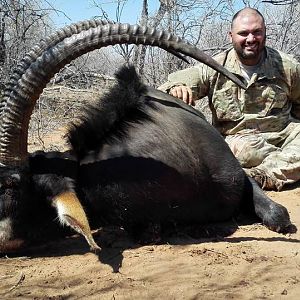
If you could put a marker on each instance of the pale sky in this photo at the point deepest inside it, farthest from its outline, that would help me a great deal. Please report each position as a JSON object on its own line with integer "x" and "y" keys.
{"x": 78, "y": 10}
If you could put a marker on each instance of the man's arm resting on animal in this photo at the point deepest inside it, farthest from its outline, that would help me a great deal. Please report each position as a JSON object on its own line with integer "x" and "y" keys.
{"x": 189, "y": 84}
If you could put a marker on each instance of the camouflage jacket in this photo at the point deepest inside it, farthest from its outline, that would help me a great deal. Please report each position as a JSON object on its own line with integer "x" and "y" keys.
{"x": 270, "y": 102}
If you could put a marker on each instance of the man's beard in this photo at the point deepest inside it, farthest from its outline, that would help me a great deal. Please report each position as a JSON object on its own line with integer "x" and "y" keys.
{"x": 245, "y": 54}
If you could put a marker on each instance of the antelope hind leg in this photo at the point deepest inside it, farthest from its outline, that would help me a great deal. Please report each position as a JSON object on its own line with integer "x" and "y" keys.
{"x": 273, "y": 215}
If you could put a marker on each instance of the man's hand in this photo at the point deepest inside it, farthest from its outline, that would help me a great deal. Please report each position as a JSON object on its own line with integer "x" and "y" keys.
{"x": 184, "y": 93}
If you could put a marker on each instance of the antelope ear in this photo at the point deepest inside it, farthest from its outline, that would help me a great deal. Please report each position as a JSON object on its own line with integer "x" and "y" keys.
{"x": 71, "y": 212}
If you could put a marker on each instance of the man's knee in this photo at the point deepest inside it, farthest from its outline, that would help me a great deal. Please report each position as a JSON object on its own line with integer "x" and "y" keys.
{"x": 250, "y": 150}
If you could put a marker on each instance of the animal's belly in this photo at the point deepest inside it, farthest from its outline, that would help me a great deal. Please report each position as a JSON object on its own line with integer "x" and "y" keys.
{"x": 139, "y": 190}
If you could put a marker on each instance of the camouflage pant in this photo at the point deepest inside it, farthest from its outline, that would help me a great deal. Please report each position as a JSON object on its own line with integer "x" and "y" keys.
{"x": 272, "y": 159}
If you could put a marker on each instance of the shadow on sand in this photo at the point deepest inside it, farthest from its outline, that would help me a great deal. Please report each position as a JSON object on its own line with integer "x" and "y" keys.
{"x": 114, "y": 241}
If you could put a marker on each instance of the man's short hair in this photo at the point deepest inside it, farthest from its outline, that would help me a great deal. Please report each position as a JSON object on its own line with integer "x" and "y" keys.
{"x": 247, "y": 8}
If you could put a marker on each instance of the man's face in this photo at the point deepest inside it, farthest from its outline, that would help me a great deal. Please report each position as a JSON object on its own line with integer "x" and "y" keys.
{"x": 248, "y": 37}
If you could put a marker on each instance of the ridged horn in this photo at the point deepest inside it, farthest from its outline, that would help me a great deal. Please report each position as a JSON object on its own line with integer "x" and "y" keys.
{"x": 44, "y": 60}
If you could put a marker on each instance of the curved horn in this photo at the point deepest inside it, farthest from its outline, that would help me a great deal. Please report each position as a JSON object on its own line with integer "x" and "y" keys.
{"x": 38, "y": 67}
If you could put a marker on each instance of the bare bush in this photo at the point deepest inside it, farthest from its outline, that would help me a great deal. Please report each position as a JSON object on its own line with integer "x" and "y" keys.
{"x": 22, "y": 24}
{"x": 59, "y": 105}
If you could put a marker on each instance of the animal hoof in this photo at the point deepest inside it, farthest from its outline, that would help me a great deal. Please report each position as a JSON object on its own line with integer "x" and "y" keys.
{"x": 291, "y": 228}
{"x": 288, "y": 229}
{"x": 277, "y": 219}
